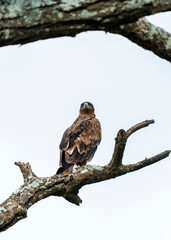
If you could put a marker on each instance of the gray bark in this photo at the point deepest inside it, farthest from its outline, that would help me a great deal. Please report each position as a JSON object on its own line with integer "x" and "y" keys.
{"x": 147, "y": 36}
{"x": 27, "y": 21}
{"x": 36, "y": 188}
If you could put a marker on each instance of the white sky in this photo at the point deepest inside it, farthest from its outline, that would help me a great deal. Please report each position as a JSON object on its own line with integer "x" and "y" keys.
{"x": 41, "y": 88}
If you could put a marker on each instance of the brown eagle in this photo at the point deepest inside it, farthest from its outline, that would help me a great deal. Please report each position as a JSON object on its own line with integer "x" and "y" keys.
{"x": 80, "y": 140}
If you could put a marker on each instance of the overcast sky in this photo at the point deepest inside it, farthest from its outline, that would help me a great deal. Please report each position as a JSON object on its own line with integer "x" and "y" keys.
{"x": 41, "y": 88}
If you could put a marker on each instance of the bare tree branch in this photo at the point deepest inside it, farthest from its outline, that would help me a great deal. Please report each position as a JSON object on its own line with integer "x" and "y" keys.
{"x": 138, "y": 126}
{"x": 26, "y": 171}
{"x": 147, "y": 36}
{"x": 28, "y": 21}
{"x": 120, "y": 142}
{"x": 146, "y": 162}
{"x": 34, "y": 188}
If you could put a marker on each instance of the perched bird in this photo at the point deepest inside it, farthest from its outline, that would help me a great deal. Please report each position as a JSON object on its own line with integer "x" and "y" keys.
{"x": 80, "y": 140}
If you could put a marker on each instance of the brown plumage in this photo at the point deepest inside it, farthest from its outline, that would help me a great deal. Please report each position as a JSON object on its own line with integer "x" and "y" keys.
{"x": 80, "y": 140}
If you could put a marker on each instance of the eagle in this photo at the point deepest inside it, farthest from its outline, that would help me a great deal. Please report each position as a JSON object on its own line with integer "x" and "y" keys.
{"x": 80, "y": 140}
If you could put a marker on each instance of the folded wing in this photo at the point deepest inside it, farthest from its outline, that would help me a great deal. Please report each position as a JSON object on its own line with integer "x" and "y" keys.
{"x": 79, "y": 142}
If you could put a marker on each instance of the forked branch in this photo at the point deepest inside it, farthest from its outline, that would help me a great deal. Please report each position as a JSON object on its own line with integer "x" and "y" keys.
{"x": 120, "y": 142}
{"x": 34, "y": 188}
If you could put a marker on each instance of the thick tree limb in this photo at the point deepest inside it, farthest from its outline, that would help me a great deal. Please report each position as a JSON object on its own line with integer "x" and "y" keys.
{"x": 147, "y": 36}
{"x": 34, "y": 188}
{"x": 28, "y": 21}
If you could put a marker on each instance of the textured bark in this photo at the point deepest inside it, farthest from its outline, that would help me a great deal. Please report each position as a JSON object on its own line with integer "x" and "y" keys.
{"x": 28, "y": 21}
{"x": 34, "y": 188}
{"x": 147, "y": 36}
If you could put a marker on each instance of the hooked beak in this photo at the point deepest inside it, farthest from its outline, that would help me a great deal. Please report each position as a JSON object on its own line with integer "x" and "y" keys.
{"x": 85, "y": 105}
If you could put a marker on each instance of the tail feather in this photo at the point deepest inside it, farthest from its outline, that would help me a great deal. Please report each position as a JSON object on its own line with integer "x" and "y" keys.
{"x": 65, "y": 168}
{"x": 64, "y": 171}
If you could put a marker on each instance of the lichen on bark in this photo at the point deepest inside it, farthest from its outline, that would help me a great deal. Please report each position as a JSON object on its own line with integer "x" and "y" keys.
{"x": 27, "y": 21}
{"x": 37, "y": 188}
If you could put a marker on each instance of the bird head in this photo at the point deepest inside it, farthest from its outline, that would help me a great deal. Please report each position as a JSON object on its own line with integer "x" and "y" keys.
{"x": 87, "y": 108}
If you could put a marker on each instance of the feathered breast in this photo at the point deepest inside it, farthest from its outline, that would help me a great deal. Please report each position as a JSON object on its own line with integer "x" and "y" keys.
{"x": 80, "y": 141}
